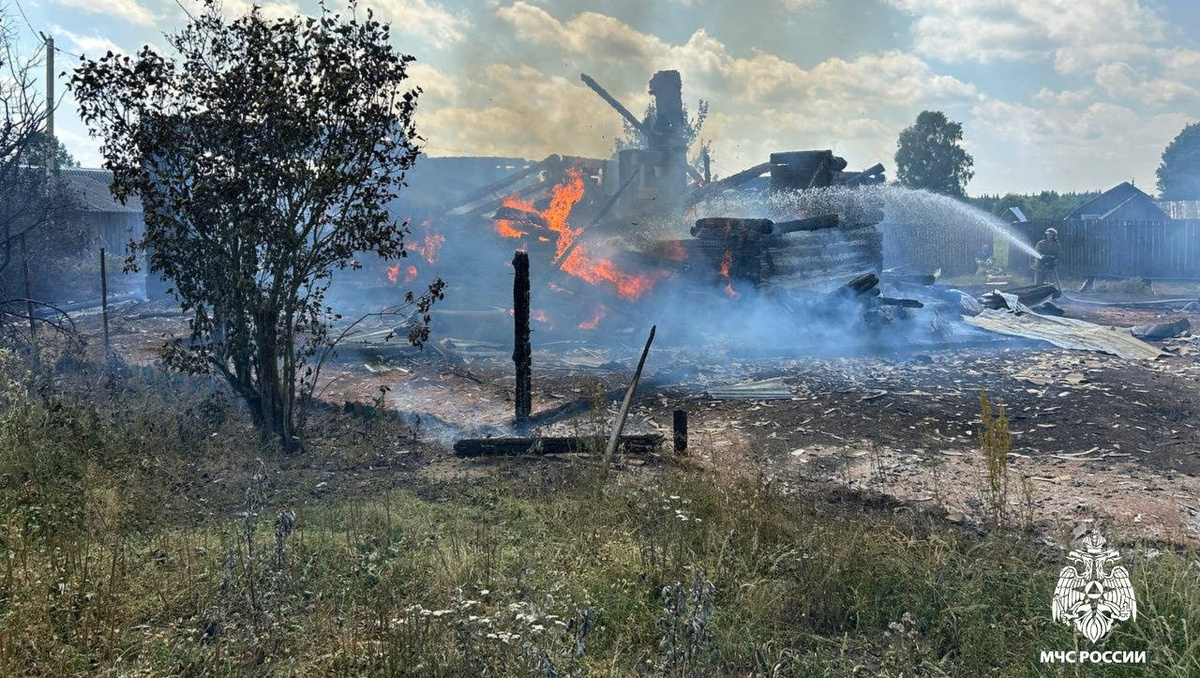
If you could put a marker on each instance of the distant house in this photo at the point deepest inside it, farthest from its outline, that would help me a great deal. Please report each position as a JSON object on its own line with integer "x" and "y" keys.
{"x": 1123, "y": 202}
{"x": 112, "y": 224}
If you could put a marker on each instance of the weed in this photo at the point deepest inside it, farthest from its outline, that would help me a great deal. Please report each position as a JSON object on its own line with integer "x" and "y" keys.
{"x": 995, "y": 442}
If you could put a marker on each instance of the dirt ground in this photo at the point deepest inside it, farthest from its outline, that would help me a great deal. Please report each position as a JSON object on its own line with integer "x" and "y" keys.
{"x": 1095, "y": 437}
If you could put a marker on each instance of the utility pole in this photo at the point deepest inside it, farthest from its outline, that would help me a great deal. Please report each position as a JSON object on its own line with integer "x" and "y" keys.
{"x": 51, "y": 146}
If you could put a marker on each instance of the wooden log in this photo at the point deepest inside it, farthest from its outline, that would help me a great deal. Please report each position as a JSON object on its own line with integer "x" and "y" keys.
{"x": 728, "y": 227}
{"x": 860, "y": 284}
{"x": 619, "y": 424}
{"x": 486, "y": 447}
{"x": 864, "y": 177}
{"x": 506, "y": 213}
{"x": 522, "y": 349}
{"x": 903, "y": 303}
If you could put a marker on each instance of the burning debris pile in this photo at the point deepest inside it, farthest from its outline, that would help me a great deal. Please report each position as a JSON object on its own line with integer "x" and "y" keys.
{"x": 791, "y": 246}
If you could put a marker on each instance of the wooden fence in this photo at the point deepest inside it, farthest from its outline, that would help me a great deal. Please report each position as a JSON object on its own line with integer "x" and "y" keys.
{"x": 1162, "y": 250}
{"x": 925, "y": 246}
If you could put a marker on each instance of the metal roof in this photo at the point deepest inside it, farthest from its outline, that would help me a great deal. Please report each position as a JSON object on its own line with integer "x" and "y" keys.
{"x": 90, "y": 190}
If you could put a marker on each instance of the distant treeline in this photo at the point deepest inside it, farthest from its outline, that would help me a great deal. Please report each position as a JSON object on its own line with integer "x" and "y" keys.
{"x": 1044, "y": 205}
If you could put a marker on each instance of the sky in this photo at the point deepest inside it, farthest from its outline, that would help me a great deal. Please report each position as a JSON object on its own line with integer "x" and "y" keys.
{"x": 1064, "y": 95}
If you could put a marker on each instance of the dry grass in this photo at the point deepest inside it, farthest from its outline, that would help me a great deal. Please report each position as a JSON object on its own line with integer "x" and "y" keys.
{"x": 147, "y": 534}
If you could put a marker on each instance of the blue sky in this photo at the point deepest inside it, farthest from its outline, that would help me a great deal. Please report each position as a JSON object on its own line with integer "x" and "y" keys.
{"x": 1053, "y": 94}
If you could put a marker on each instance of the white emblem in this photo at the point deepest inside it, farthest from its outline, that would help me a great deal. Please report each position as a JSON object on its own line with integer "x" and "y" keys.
{"x": 1099, "y": 595}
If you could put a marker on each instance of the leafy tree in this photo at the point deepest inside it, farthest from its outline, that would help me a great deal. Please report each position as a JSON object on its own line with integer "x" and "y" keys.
{"x": 1179, "y": 173}
{"x": 264, "y": 154}
{"x": 928, "y": 155}
{"x": 62, "y": 157}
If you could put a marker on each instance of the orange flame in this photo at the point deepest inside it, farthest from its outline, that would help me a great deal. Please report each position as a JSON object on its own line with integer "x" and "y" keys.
{"x": 505, "y": 227}
{"x": 598, "y": 314}
{"x": 597, "y": 271}
{"x": 429, "y": 246}
{"x": 726, "y": 263}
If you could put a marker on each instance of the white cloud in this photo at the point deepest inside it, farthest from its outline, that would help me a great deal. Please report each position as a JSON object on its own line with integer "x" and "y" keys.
{"x": 423, "y": 18}
{"x": 1120, "y": 80}
{"x": 270, "y": 10}
{"x": 1075, "y": 34}
{"x": 760, "y": 102}
{"x": 1071, "y": 147}
{"x": 127, "y": 10}
{"x": 92, "y": 46}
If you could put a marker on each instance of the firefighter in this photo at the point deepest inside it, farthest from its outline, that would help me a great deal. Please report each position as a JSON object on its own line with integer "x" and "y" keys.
{"x": 1049, "y": 248}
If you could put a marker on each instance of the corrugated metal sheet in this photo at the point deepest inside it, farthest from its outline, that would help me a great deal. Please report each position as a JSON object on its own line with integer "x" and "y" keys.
{"x": 1065, "y": 333}
{"x": 89, "y": 187}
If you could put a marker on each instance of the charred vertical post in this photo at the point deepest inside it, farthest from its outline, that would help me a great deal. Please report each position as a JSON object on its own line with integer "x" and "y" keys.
{"x": 104, "y": 300}
{"x": 681, "y": 433}
{"x": 28, "y": 288}
{"x": 522, "y": 350}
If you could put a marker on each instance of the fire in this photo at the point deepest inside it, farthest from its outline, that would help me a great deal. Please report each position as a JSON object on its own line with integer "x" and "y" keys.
{"x": 598, "y": 314}
{"x": 673, "y": 250}
{"x": 562, "y": 199}
{"x": 429, "y": 245}
{"x": 726, "y": 263}
{"x": 600, "y": 271}
{"x": 577, "y": 262}
{"x": 505, "y": 227}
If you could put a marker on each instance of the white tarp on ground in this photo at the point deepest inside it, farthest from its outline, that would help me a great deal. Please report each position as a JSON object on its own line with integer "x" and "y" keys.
{"x": 1065, "y": 332}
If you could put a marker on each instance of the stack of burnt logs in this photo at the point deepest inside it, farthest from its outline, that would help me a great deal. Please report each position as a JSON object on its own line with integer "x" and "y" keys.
{"x": 809, "y": 252}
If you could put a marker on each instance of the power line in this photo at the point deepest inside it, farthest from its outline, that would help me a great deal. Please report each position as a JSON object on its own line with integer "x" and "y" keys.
{"x": 27, "y": 24}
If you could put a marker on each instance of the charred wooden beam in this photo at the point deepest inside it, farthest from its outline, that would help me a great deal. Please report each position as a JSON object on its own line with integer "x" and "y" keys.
{"x": 870, "y": 175}
{"x": 522, "y": 349}
{"x": 614, "y": 438}
{"x": 486, "y": 447}
{"x": 617, "y": 105}
{"x": 506, "y": 213}
{"x": 719, "y": 228}
{"x": 484, "y": 191}
{"x": 903, "y": 303}
{"x": 860, "y": 284}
